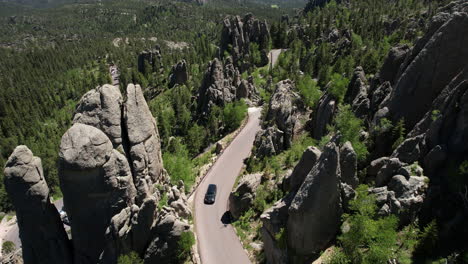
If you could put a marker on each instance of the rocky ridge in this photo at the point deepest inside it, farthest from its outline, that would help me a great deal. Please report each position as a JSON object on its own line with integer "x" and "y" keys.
{"x": 113, "y": 179}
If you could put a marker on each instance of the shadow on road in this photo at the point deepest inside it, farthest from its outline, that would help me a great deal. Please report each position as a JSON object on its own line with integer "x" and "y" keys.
{"x": 227, "y": 219}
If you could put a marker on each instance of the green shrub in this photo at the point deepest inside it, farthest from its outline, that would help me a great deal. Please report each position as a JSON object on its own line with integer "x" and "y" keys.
{"x": 350, "y": 128}
{"x": 178, "y": 164}
{"x": 369, "y": 239}
{"x": 339, "y": 86}
{"x": 233, "y": 114}
{"x": 282, "y": 238}
{"x": 184, "y": 246}
{"x": 309, "y": 91}
{"x": 163, "y": 201}
{"x": 8, "y": 247}
{"x": 131, "y": 258}
{"x": 399, "y": 133}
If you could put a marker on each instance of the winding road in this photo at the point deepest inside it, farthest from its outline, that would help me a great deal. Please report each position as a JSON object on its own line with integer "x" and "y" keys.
{"x": 218, "y": 242}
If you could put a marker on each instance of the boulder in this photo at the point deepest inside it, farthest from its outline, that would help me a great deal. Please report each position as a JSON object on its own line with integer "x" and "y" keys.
{"x": 179, "y": 74}
{"x": 101, "y": 108}
{"x": 315, "y": 212}
{"x": 294, "y": 181}
{"x": 241, "y": 199}
{"x": 43, "y": 238}
{"x": 388, "y": 169}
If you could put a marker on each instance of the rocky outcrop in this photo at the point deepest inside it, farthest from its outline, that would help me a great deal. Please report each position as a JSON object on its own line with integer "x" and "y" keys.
{"x": 357, "y": 93}
{"x": 143, "y": 143}
{"x": 274, "y": 221}
{"x": 437, "y": 58}
{"x": 101, "y": 108}
{"x": 323, "y": 115}
{"x": 151, "y": 57}
{"x": 281, "y": 120}
{"x": 241, "y": 199}
{"x": 169, "y": 229}
{"x": 109, "y": 189}
{"x": 269, "y": 142}
{"x": 96, "y": 182}
{"x": 318, "y": 191}
{"x": 238, "y": 34}
{"x": 43, "y": 237}
{"x": 403, "y": 197}
{"x": 222, "y": 84}
{"x": 179, "y": 74}
{"x": 318, "y": 201}
{"x": 391, "y": 65}
{"x": 294, "y": 181}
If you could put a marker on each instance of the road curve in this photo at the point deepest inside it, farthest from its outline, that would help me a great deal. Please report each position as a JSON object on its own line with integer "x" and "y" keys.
{"x": 217, "y": 242}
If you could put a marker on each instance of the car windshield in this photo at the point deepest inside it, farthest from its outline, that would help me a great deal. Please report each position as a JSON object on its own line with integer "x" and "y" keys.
{"x": 211, "y": 189}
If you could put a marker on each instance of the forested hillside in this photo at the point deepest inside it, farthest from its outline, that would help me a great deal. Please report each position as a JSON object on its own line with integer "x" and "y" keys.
{"x": 360, "y": 155}
{"x": 51, "y": 57}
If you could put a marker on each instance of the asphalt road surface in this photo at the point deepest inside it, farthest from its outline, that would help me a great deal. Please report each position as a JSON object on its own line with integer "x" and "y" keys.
{"x": 273, "y": 56}
{"x": 218, "y": 242}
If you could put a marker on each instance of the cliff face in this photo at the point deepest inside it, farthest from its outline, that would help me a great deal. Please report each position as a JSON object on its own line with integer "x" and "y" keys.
{"x": 110, "y": 164}
{"x": 41, "y": 231}
{"x": 427, "y": 87}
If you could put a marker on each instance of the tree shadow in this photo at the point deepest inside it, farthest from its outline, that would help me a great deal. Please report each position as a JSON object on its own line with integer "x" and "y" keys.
{"x": 227, "y": 218}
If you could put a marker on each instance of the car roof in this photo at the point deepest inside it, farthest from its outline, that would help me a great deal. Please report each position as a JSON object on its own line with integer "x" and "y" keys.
{"x": 212, "y": 187}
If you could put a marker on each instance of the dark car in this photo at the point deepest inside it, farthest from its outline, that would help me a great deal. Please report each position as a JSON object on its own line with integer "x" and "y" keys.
{"x": 210, "y": 195}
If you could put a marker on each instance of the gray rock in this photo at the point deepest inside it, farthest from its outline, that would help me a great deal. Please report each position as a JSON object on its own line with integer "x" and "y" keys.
{"x": 269, "y": 142}
{"x": 315, "y": 213}
{"x": 241, "y": 199}
{"x": 302, "y": 169}
{"x": 323, "y": 115}
{"x": 348, "y": 165}
{"x": 179, "y": 74}
{"x": 435, "y": 158}
{"x": 238, "y": 34}
{"x": 283, "y": 108}
{"x": 390, "y": 68}
{"x": 102, "y": 109}
{"x": 379, "y": 95}
{"x": 169, "y": 230}
{"x": 151, "y": 57}
{"x": 356, "y": 94}
{"x": 43, "y": 237}
{"x": 410, "y": 150}
{"x": 274, "y": 220}
{"x": 144, "y": 143}
{"x": 84, "y": 147}
{"x": 390, "y": 168}
{"x": 219, "y": 85}
{"x": 96, "y": 183}
{"x": 435, "y": 60}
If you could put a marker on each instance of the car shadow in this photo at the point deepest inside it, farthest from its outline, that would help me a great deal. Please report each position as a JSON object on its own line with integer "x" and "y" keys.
{"x": 227, "y": 218}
